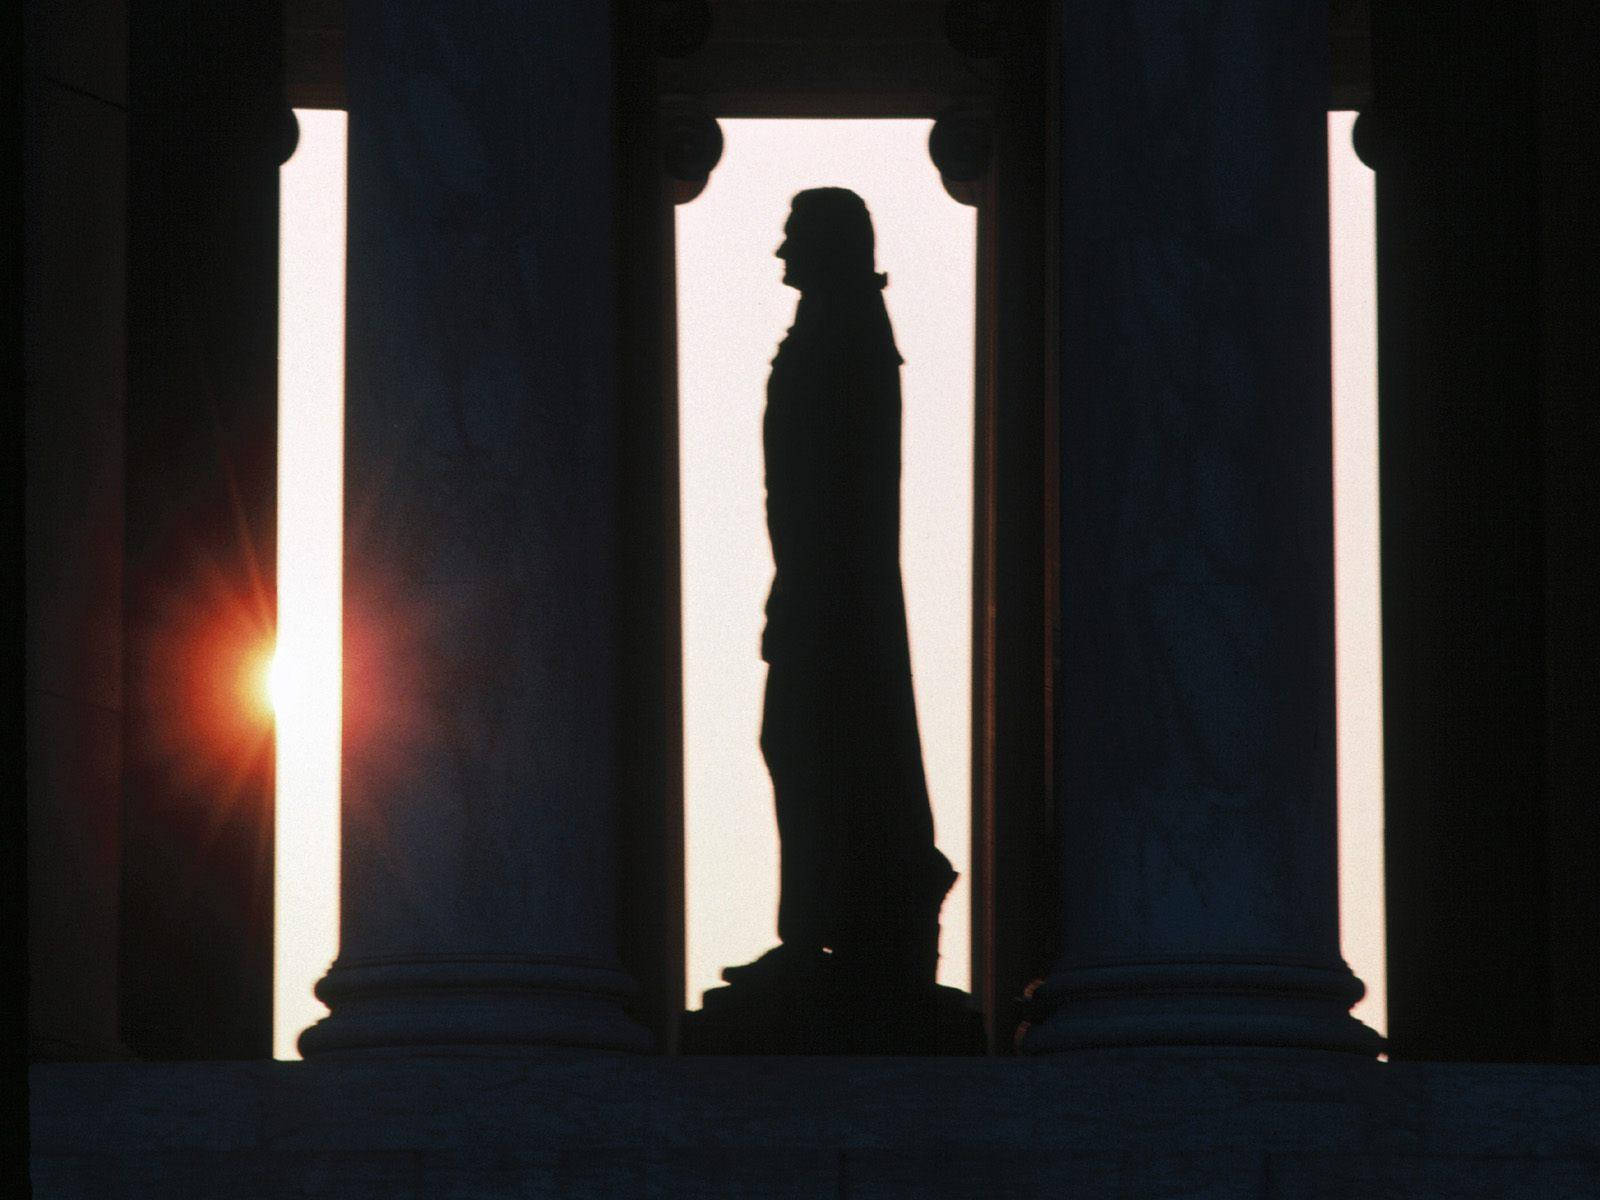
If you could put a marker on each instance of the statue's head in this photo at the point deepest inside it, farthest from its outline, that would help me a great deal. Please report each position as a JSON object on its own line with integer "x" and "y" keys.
{"x": 828, "y": 242}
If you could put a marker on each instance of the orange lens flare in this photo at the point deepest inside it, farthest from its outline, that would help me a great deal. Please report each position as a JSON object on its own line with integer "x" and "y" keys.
{"x": 273, "y": 686}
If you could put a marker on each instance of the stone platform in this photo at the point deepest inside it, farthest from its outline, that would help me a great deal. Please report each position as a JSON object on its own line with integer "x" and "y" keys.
{"x": 1092, "y": 1125}
{"x": 834, "y": 1016}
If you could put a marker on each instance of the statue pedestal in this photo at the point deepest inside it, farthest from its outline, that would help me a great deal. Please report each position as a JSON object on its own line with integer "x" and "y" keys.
{"x": 833, "y": 1012}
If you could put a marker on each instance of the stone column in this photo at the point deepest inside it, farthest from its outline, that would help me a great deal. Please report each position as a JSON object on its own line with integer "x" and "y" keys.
{"x": 481, "y": 519}
{"x": 1195, "y": 767}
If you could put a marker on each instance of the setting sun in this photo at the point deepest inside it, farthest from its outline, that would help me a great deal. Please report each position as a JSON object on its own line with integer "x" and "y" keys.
{"x": 274, "y": 683}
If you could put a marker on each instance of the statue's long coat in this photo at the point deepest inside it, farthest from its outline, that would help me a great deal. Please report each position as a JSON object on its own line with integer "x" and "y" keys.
{"x": 840, "y": 727}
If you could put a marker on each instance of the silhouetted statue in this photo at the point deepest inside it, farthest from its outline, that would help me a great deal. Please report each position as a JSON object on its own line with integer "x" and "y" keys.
{"x": 860, "y": 874}
{"x": 861, "y": 880}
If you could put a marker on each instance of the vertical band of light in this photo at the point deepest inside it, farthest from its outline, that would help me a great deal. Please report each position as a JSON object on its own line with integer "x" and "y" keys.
{"x": 307, "y": 676}
{"x": 1357, "y": 612}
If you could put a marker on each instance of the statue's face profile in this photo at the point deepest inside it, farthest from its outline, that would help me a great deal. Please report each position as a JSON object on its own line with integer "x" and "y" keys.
{"x": 797, "y": 253}
{"x": 827, "y": 241}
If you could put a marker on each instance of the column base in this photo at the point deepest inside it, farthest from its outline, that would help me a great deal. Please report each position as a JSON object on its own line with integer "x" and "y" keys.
{"x": 1205, "y": 1003}
{"x": 417, "y": 1005}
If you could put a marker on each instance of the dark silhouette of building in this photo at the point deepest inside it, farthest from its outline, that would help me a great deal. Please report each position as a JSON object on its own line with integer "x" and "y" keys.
{"x": 1153, "y": 696}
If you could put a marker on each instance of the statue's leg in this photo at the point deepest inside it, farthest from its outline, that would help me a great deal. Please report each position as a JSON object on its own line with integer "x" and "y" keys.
{"x": 890, "y": 879}
{"x": 791, "y": 745}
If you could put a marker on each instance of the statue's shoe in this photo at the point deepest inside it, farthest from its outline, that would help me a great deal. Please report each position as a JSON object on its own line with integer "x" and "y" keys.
{"x": 785, "y": 964}
{"x": 898, "y": 948}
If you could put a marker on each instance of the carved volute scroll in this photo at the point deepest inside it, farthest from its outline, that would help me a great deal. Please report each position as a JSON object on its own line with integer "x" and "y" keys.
{"x": 691, "y": 146}
{"x": 1364, "y": 139}
{"x": 288, "y": 135}
{"x": 961, "y": 145}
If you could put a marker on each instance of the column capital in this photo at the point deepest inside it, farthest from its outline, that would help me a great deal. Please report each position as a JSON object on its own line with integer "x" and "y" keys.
{"x": 1365, "y": 136}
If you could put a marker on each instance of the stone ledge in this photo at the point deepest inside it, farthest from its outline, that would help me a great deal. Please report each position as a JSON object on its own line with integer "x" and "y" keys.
{"x": 930, "y": 1173}
{"x": 1107, "y": 1123}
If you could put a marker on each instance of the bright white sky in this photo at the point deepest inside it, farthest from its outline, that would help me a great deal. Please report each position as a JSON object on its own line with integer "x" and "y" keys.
{"x": 732, "y": 313}
{"x": 306, "y": 689}
{"x": 1358, "y": 626}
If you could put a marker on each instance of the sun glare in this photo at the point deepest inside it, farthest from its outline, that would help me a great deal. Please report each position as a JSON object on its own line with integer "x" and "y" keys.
{"x": 274, "y": 682}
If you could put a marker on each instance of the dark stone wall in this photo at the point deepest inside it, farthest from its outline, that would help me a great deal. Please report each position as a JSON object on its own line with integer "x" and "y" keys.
{"x": 75, "y": 254}
{"x": 1567, "y": 99}
{"x": 152, "y": 142}
{"x": 1488, "y": 435}
{"x": 207, "y": 131}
